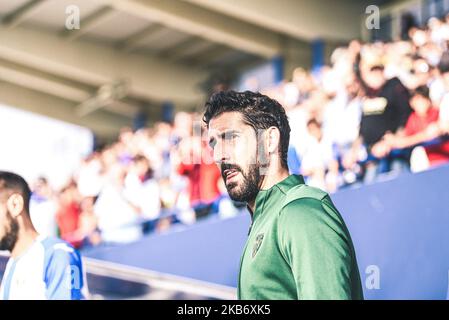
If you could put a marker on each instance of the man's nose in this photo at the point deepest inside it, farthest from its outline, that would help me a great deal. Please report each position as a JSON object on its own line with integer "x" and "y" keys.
{"x": 219, "y": 158}
{"x": 220, "y": 154}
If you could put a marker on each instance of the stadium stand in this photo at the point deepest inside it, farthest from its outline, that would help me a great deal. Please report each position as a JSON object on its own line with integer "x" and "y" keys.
{"x": 371, "y": 127}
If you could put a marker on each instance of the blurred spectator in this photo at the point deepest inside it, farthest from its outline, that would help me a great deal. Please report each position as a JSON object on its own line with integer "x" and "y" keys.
{"x": 142, "y": 189}
{"x": 89, "y": 176}
{"x": 43, "y": 208}
{"x": 341, "y": 121}
{"x": 444, "y": 105}
{"x": 117, "y": 216}
{"x": 88, "y": 233}
{"x": 319, "y": 164}
{"x": 68, "y": 214}
{"x": 422, "y": 126}
{"x": 385, "y": 110}
{"x": 164, "y": 174}
{"x": 203, "y": 176}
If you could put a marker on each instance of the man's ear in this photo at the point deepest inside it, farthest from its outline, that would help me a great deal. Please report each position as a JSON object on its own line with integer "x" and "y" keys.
{"x": 273, "y": 140}
{"x": 15, "y": 204}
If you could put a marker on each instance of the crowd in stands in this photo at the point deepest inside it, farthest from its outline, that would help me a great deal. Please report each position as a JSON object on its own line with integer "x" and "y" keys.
{"x": 146, "y": 181}
{"x": 378, "y": 108}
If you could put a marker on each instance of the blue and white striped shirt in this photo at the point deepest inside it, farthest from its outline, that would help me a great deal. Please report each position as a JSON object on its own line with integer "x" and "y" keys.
{"x": 50, "y": 269}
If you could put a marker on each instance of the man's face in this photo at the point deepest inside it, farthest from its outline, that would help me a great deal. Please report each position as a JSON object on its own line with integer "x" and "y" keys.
{"x": 140, "y": 167}
{"x": 420, "y": 104}
{"x": 375, "y": 79}
{"x": 42, "y": 188}
{"x": 9, "y": 228}
{"x": 235, "y": 150}
{"x": 314, "y": 131}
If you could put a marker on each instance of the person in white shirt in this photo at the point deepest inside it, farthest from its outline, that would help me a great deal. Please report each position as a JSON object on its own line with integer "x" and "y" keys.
{"x": 43, "y": 208}
{"x": 142, "y": 189}
{"x": 319, "y": 164}
{"x": 118, "y": 218}
{"x": 40, "y": 267}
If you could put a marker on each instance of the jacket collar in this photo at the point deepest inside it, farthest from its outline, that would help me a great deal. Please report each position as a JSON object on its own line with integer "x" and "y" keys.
{"x": 284, "y": 185}
{"x": 289, "y": 182}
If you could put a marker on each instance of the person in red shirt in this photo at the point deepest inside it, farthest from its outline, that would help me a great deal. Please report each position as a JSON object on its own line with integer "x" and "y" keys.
{"x": 203, "y": 177}
{"x": 68, "y": 214}
{"x": 422, "y": 126}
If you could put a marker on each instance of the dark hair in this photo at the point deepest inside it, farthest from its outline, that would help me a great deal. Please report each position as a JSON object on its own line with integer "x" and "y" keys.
{"x": 258, "y": 111}
{"x": 443, "y": 66}
{"x": 15, "y": 183}
{"x": 140, "y": 158}
{"x": 43, "y": 180}
{"x": 377, "y": 67}
{"x": 313, "y": 121}
{"x": 422, "y": 91}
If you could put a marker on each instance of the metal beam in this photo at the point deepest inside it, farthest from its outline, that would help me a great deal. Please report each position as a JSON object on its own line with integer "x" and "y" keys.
{"x": 62, "y": 89}
{"x": 304, "y": 20}
{"x": 14, "y": 18}
{"x": 207, "y": 57}
{"x": 133, "y": 41}
{"x": 89, "y": 23}
{"x": 106, "y": 95}
{"x": 185, "y": 48}
{"x": 243, "y": 65}
{"x": 185, "y": 17}
{"x": 123, "y": 108}
{"x": 103, "y": 123}
{"x": 179, "y": 46}
{"x": 38, "y": 81}
{"x": 150, "y": 78}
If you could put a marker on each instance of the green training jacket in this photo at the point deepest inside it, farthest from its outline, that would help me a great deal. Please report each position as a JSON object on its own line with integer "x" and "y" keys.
{"x": 298, "y": 247}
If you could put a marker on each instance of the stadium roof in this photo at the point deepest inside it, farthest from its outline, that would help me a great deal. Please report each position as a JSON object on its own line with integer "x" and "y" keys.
{"x": 134, "y": 54}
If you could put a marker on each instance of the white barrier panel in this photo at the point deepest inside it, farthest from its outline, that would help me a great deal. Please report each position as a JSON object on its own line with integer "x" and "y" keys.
{"x": 33, "y": 145}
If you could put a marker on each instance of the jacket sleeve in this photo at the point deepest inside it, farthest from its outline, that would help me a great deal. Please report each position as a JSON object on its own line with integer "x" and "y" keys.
{"x": 314, "y": 242}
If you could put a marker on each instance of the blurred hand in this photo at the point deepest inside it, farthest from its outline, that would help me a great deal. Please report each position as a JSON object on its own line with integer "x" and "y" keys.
{"x": 433, "y": 131}
{"x": 444, "y": 126}
{"x": 394, "y": 141}
{"x": 380, "y": 149}
{"x": 390, "y": 139}
{"x": 349, "y": 160}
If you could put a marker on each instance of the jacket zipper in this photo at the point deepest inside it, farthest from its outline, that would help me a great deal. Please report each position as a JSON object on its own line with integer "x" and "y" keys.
{"x": 239, "y": 296}
{"x": 246, "y": 245}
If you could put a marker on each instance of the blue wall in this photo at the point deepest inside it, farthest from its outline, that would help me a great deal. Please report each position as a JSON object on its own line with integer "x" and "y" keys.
{"x": 400, "y": 226}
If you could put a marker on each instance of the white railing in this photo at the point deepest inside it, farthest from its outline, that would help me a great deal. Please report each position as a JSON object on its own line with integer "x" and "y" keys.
{"x": 160, "y": 281}
{"x": 156, "y": 281}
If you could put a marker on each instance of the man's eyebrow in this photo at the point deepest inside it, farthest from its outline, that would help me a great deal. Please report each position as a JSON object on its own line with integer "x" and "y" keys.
{"x": 228, "y": 132}
{"x": 222, "y": 135}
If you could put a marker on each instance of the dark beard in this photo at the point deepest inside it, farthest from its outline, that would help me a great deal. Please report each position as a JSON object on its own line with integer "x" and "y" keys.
{"x": 9, "y": 240}
{"x": 249, "y": 188}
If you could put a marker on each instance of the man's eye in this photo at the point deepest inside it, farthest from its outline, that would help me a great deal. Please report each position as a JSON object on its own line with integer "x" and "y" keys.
{"x": 212, "y": 143}
{"x": 230, "y": 136}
